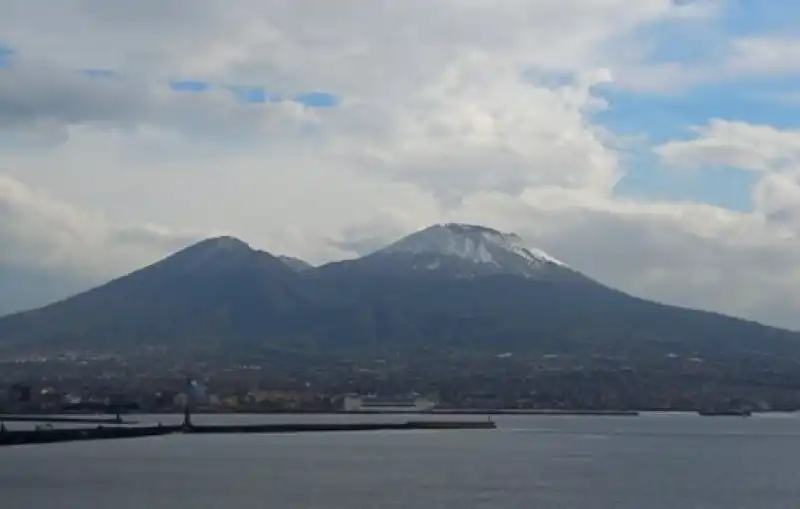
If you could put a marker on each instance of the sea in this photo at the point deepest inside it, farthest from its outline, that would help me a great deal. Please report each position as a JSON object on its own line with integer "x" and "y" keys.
{"x": 654, "y": 461}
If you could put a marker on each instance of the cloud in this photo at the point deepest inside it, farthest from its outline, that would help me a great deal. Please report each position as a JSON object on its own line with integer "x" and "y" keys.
{"x": 47, "y": 97}
{"x": 348, "y": 46}
{"x": 438, "y": 110}
{"x": 763, "y": 55}
{"x": 38, "y": 231}
{"x": 759, "y": 148}
{"x": 772, "y": 153}
{"x": 484, "y": 126}
{"x": 715, "y": 59}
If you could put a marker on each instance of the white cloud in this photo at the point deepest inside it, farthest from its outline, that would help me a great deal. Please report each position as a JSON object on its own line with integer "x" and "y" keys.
{"x": 772, "y": 153}
{"x": 778, "y": 197}
{"x": 40, "y": 100}
{"x": 482, "y": 126}
{"x": 718, "y": 59}
{"x": 357, "y": 47}
{"x": 759, "y": 148}
{"x": 40, "y": 231}
{"x": 451, "y": 110}
{"x": 763, "y": 56}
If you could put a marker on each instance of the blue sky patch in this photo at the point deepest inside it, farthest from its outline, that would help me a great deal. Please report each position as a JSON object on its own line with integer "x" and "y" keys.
{"x": 706, "y": 40}
{"x": 664, "y": 117}
{"x": 6, "y": 54}
{"x": 657, "y": 118}
{"x": 256, "y": 95}
{"x": 189, "y": 85}
{"x": 100, "y": 73}
{"x": 743, "y": 18}
{"x": 317, "y": 99}
{"x": 667, "y": 42}
{"x": 725, "y": 187}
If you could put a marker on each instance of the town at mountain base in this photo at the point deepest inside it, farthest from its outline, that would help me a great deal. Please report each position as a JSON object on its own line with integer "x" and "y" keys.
{"x": 445, "y": 301}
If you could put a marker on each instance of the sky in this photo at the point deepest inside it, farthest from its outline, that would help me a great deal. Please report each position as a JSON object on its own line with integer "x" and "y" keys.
{"x": 653, "y": 145}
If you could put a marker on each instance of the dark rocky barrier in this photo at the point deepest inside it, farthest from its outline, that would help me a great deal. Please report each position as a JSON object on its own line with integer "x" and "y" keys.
{"x": 62, "y": 419}
{"x": 317, "y": 427}
{"x": 43, "y": 436}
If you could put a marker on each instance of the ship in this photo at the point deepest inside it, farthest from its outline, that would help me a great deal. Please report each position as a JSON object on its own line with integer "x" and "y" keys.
{"x": 725, "y": 413}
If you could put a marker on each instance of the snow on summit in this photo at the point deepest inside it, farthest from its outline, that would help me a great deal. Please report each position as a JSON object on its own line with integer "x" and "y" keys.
{"x": 497, "y": 251}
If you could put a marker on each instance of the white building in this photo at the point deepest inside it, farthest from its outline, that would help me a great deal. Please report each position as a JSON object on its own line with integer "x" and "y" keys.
{"x": 371, "y": 403}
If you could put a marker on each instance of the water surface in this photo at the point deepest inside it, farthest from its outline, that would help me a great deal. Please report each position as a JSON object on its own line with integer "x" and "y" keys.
{"x": 649, "y": 462}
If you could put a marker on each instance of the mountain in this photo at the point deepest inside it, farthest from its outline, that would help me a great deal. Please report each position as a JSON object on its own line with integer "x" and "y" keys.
{"x": 487, "y": 251}
{"x": 461, "y": 251}
{"x": 296, "y": 264}
{"x": 217, "y": 288}
{"x": 449, "y": 289}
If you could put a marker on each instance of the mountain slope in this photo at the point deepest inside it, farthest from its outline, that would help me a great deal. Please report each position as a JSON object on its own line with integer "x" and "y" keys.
{"x": 216, "y": 288}
{"x": 496, "y": 314}
{"x": 449, "y": 289}
{"x": 296, "y": 264}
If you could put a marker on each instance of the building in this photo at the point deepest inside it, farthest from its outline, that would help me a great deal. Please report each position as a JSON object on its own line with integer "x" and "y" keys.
{"x": 20, "y": 393}
{"x": 372, "y": 403}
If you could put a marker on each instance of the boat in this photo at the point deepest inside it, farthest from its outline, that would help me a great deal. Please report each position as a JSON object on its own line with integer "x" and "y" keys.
{"x": 725, "y": 413}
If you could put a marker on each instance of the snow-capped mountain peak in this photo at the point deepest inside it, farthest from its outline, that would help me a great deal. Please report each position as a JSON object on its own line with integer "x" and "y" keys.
{"x": 475, "y": 249}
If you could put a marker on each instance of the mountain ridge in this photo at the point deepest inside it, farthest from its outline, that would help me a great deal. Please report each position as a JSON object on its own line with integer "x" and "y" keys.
{"x": 447, "y": 288}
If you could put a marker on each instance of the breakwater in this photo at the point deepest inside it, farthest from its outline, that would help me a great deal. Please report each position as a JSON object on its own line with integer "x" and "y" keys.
{"x": 330, "y": 427}
{"x": 64, "y": 419}
{"x": 46, "y": 436}
{"x": 42, "y": 436}
{"x": 613, "y": 413}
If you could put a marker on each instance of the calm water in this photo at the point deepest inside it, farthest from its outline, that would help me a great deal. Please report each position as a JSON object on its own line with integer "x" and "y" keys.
{"x": 649, "y": 462}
